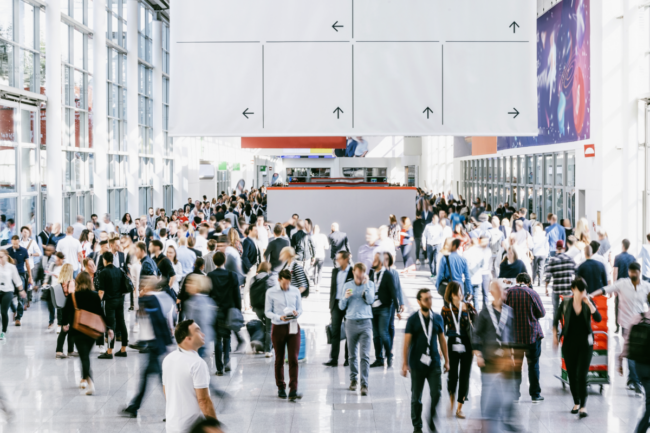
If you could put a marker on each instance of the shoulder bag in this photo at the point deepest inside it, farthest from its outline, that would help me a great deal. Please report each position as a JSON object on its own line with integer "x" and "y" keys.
{"x": 442, "y": 287}
{"x": 87, "y": 323}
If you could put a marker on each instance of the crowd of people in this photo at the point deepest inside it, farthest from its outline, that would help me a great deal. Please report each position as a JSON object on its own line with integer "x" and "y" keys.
{"x": 191, "y": 276}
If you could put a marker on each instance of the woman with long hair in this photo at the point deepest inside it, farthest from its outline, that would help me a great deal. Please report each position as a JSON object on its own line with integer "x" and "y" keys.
{"x": 85, "y": 298}
{"x": 178, "y": 267}
{"x": 67, "y": 282}
{"x": 406, "y": 244}
{"x": 461, "y": 233}
{"x": 576, "y": 314}
{"x": 127, "y": 224}
{"x": 9, "y": 279}
{"x": 235, "y": 241}
{"x": 87, "y": 240}
{"x": 394, "y": 230}
{"x": 458, "y": 317}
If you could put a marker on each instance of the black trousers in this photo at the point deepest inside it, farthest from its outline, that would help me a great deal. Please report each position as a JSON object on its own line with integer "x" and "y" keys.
{"x": 84, "y": 346}
{"x": 153, "y": 367}
{"x": 337, "y": 320}
{"x": 114, "y": 310}
{"x": 577, "y": 360}
{"x": 460, "y": 367}
{"x": 60, "y": 340}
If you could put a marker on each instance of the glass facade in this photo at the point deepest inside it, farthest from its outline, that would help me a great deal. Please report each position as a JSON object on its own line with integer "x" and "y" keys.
{"x": 543, "y": 183}
{"x": 168, "y": 177}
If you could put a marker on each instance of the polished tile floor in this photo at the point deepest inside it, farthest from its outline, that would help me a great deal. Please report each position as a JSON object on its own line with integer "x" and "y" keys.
{"x": 43, "y": 390}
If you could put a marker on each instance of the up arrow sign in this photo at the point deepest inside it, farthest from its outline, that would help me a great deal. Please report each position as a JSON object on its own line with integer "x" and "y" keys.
{"x": 514, "y": 26}
{"x": 428, "y": 111}
{"x": 338, "y": 112}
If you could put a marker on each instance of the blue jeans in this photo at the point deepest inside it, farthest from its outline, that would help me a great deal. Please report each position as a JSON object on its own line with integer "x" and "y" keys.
{"x": 433, "y": 376}
{"x": 153, "y": 367}
{"x": 532, "y": 353}
{"x": 643, "y": 370}
{"x": 631, "y": 365}
{"x": 221, "y": 347}
{"x": 432, "y": 256}
{"x": 380, "y": 334}
{"x": 359, "y": 336}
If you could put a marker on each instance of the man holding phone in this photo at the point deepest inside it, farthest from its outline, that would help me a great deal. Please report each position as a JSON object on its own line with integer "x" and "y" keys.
{"x": 283, "y": 306}
{"x": 357, "y": 304}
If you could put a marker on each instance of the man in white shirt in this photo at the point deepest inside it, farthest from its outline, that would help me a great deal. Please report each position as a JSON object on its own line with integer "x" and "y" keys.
{"x": 72, "y": 250}
{"x": 106, "y": 225}
{"x": 202, "y": 240}
{"x": 495, "y": 242}
{"x": 432, "y": 243}
{"x": 186, "y": 381}
{"x": 79, "y": 227}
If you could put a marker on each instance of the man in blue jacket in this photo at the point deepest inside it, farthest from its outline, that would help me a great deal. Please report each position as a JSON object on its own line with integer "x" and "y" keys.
{"x": 554, "y": 233}
{"x": 458, "y": 266}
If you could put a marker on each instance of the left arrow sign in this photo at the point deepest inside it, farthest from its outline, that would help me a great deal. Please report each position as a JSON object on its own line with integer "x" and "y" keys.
{"x": 246, "y": 112}
{"x": 336, "y": 26}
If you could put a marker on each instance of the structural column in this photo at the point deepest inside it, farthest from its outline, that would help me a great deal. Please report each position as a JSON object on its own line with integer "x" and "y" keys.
{"x": 158, "y": 137}
{"x": 55, "y": 166}
{"x": 100, "y": 97}
{"x": 133, "y": 137}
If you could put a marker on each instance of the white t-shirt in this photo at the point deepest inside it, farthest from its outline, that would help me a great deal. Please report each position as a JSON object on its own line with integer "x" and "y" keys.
{"x": 182, "y": 373}
{"x": 9, "y": 278}
{"x": 70, "y": 247}
{"x": 33, "y": 249}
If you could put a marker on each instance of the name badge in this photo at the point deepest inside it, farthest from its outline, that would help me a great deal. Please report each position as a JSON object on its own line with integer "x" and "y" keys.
{"x": 425, "y": 359}
{"x": 458, "y": 348}
{"x": 376, "y": 304}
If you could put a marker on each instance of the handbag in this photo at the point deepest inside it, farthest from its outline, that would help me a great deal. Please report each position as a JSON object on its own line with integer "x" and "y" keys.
{"x": 442, "y": 287}
{"x": 235, "y": 319}
{"x": 87, "y": 323}
{"x": 328, "y": 332}
{"x": 127, "y": 285}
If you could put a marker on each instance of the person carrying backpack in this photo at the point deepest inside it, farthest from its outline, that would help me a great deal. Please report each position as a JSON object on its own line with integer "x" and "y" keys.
{"x": 259, "y": 285}
{"x": 637, "y": 349}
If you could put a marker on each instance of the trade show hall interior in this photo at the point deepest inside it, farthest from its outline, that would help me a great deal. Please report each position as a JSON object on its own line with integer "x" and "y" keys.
{"x": 254, "y": 216}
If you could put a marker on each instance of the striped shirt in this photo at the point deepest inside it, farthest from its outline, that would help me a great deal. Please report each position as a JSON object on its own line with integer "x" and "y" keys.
{"x": 561, "y": 269}
{"x": 298, "y": 277}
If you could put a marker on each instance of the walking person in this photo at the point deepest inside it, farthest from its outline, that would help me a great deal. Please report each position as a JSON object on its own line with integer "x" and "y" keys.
{"x": 20, "y": 258}
{"x": 528, "y": 309}
{"x": 561, "y": 269}
{"x": 357, "y": 304}
{"x": 418, "y": 230}
{"x": 341, "y": 274}
{"x": 458, "y": 317}
{"x": 384, "y": 302}
{"x": 156, "y": 336}
{"x": 577, "y": 338}
{"x": 66, "y": 281}
{"x": 251, "y": 258}
{"x": 283, "y": 306}
{"x": 262, "y": 282}
{"x": 338, "y": 241}
{"x": 592, "y": 271}
{"x": 424, "y": 333}
{"x": 84, "y": 298}
{"x": 186, "y": 381}
{"x": 491, "y": 341}
{"x": 432, "y": 240}
{"x": 540, "y": 252}
{"x": 632, "y": 293}
{"x": 636, "y": 346}
{"x": 406, "y": 244}
{"x": 620, "y": 271}
{"x": 10, "y": 281}
{"x": 111, "y": 282}
{"x": 320, "y": 245}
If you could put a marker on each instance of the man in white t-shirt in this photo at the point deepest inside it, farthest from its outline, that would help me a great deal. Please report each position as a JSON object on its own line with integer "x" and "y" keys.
{"x": 186, "y": 381}
{"x": 72, "y": 250}
{"x": 107, "y": 226}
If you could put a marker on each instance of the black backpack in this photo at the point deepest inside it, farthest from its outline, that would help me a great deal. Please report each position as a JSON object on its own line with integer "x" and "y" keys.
{"x": 259, "y": 286}
{"x": 639, "y": 342}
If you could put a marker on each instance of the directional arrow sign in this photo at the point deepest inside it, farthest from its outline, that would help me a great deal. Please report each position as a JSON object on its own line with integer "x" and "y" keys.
{"x": 247, "y": 112}
{"x": 514, "y": 26}
{"x": 428, "y": 111}
{"x": 516, "y": 113}
{"x": 338, "y": 112}
{"x": 336, "y": 27}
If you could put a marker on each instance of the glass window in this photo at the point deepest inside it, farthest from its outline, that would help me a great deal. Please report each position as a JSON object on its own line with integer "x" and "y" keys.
{"x": 530, "y": 170}
{"x": 65, "y": 43}
{"x": 559, "y": 203}
{"x": 539, "y": 205}
{"x": 6, "y": 63}
{"x": 559, "y": 169}
{"x": 26, "y": 12}
{"x": 28, "y": 212}
{"x": 530, "y": 199}
{"x": 571, "y": 169}
{"x": 29, "y": 170}
{"x": 548, "y": 169}
{"x": 539, "y": 170}
{"x": 548, "y": 201}
{"x": 28, "y": 122}
{"x": 571, "y": 206}
{"x": 7, "y": 169}
{"x": 8, "y": 208}
{"x": 7, "y": 124}
{"x": 507, "y": 168}
{"x": 6, "y": 19}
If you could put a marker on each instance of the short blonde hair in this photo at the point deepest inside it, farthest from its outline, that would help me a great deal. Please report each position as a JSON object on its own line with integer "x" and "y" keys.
{"x": 66, "y": 274}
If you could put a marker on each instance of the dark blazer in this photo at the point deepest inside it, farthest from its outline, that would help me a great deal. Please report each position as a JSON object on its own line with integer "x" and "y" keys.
{"x": 335, "y": 272}
{"x": 586, "y": 316}
{"x": 338, "y": 242}
{"x": 386, "y": 291}
{"x": 594, "y": 274}
{"x": 225, "y": 289}
{"x": 302, "y": 243}
{"x": 100, "y": 262}
{"x": 250, "y": 256}
{"x": 272, "y": 253}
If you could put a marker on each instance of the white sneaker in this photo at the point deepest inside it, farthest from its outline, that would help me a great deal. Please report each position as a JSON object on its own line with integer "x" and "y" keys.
{"x": 58, "y": 329}
{"x": 268, "y": 355}
{"x": 90, "y": 389}
{"x": 83, "y": 384}
{"x": 417, "y": 262}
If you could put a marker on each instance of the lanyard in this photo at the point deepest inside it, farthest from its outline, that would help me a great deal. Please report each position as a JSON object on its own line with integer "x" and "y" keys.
{"x": 499, "y": 327}
{"x": 378, "y": 278}
{"x": 460, "y": 313}
{"x": 427, "y": 331}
